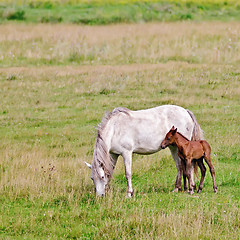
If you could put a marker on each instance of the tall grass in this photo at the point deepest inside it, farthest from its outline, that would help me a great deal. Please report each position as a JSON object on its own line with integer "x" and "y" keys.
{"x": 51, "y": 104}
{"x": 207, "y": 43}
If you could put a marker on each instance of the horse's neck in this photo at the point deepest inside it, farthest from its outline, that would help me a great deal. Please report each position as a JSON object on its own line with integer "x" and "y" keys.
{"x": 180, "y": 141}
{"x": 107, "y": 136}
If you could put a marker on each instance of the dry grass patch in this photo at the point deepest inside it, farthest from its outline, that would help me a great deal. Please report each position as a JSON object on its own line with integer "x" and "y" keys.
{"x": 124, "y": 44}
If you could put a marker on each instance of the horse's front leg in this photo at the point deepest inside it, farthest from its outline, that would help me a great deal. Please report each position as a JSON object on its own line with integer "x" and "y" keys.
{"x": 114, "y": 158}
{"x": 127, "y": 157}
{"x": 174, "y": 152}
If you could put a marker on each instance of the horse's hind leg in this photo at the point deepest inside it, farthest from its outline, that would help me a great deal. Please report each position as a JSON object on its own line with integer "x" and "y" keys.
{"x": 184, "y": 175}
{"x": 193, "y": 164}
{"x": 191, "y": 171}
{"x": 212, "y": 171}
{"x": 174, "y": 152}
{"x": 203, "y": 172}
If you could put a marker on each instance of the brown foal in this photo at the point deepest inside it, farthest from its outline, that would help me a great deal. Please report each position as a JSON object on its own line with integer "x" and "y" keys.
{"x": 190, "y": 151}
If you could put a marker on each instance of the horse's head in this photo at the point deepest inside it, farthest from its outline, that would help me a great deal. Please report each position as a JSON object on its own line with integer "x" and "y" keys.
{"x": 102, "y": 166}
{"x": 99, "y": 177}
{"x": 169, "y": 138}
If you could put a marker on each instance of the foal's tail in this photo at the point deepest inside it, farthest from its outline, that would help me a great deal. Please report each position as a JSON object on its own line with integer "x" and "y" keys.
{"x": 196, "y": 135}
{"x": 197, "y": 131}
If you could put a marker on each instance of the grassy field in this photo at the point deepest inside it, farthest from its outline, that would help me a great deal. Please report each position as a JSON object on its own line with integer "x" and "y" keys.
{"x": 57, "y": 81}
{"x": 101, "y": 12}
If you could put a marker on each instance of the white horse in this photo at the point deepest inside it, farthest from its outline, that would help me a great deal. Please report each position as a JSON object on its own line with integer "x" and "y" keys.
{"x": 124, "y": 132}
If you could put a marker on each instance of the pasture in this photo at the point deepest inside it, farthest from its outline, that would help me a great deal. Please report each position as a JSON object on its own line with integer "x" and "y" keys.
{"x": 57, "y": 81}
{"x": 102, "y": 12}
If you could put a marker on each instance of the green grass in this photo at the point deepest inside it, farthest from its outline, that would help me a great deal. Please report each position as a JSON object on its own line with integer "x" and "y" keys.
{"x": 50, "y": 107}
{"x": 108, "y": 12}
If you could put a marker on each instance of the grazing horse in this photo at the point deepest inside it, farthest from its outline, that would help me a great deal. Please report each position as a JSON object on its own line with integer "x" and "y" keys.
{"x": 189, "y": 151}
{"x": 124, "y": 132}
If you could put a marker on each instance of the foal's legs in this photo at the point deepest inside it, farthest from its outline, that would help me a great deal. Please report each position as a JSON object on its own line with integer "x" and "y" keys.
{"x": 209, "y": 163}
{"x": 180, "y": 170}
{"x": 203, "y": 172}
{"x": 127, "y": 157}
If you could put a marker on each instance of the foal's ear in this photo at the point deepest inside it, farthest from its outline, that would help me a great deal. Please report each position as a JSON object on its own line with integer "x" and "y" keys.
{"x": 174, "y": 130}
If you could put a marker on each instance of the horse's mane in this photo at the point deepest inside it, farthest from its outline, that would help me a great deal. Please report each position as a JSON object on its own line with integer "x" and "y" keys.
{"x": 101, "y": 154}
{"x": 109, "y": 115}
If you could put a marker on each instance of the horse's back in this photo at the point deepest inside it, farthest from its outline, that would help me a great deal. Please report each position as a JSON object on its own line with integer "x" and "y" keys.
{"x": 165, "y": 116}
{"x": 143, "y": 130}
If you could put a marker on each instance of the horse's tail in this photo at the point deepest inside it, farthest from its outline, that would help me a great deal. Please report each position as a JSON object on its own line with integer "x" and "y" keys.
{"x": 197, "y": 131}
{"x": 196, "y": 169}
{"x": 196, "y": 135}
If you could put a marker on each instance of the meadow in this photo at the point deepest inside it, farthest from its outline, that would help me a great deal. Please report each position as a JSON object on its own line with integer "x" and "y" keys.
{"x": 102, "y": 12}
{"x": 57, "y": 81}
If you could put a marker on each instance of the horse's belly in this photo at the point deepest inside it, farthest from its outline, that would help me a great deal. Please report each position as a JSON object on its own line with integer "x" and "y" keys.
{"x": 145, "y": 151}
{"x": 147, "y": 145}
{"x": 136, "y": 144}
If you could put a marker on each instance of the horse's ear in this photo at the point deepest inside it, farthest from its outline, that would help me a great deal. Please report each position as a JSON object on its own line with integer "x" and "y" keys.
{"x": 89, "y": 165}
{"x": 175, "y": 130}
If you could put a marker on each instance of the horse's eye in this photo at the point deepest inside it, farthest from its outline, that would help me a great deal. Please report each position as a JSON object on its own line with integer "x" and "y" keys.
{"x": 102, "y": 177}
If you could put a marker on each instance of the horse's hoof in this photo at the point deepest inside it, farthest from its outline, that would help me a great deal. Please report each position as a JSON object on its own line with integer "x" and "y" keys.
{"x": 215, "y": 190}
{"x": 175, "y": 190}
{"x": 129, "y": 194}
{"x": 191, "y": 192}
{"x": 199, "y": 191}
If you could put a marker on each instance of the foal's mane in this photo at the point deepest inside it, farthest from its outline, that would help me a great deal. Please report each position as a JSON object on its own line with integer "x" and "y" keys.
{"x": 183, "y": 136}
{"x": 101, "y": 155}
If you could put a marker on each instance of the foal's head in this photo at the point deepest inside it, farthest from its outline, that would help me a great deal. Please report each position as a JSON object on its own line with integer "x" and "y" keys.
{"x": 169, "y": 138}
